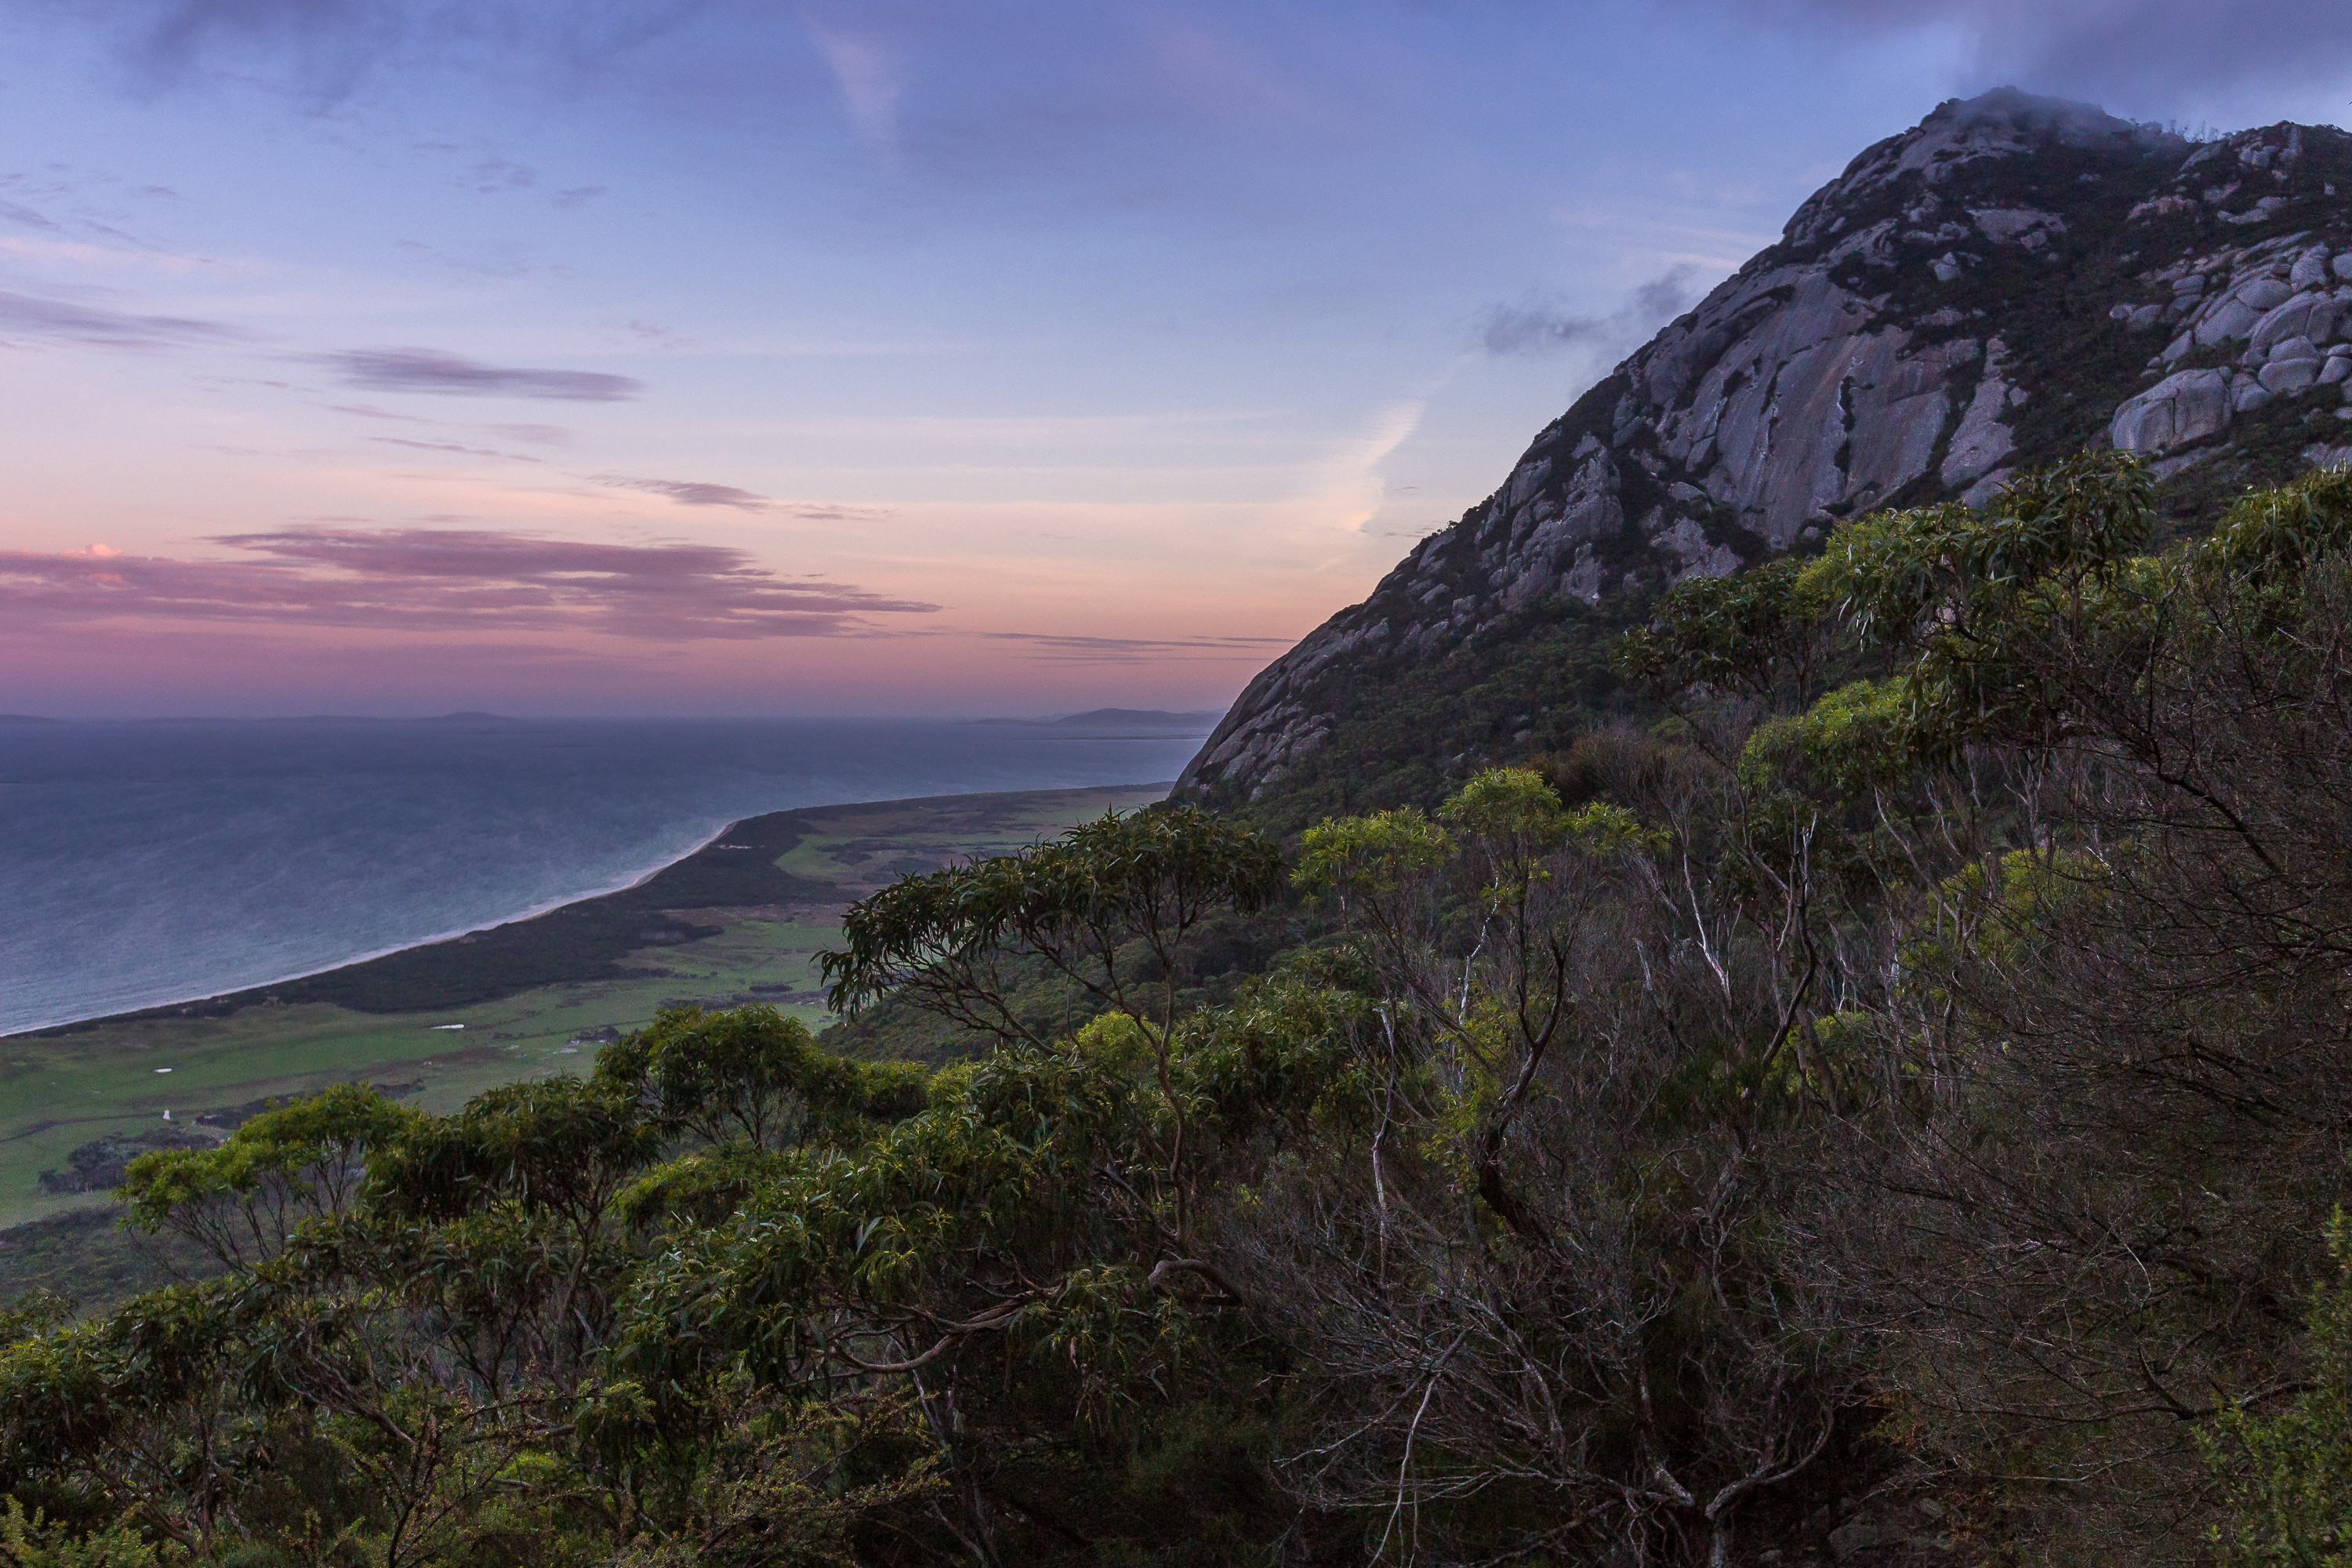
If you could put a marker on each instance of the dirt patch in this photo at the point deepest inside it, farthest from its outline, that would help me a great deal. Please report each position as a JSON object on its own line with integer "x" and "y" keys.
{"x": 100, "y": 1164}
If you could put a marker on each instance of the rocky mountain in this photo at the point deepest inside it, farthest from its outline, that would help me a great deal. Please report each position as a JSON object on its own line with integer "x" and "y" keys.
{"x": 2013, "y": 280}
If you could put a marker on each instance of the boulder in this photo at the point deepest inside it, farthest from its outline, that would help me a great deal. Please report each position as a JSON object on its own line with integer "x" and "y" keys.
{"x": 2342, "y": 266}
{"x": 2233, "y": 317}
{"x": 2281, "y": 376}
{"x": 2187, "y": 406}
{"x": 2022, "y": 225}
{"x": 2248, "y": 395}
{"x": 2310, "y": 269}
{"x": 2337, "y": 367}
{"x": 2264, "y": 293}
{"x": 2311, "y": 316}
{"x": 1858, "y": 1537}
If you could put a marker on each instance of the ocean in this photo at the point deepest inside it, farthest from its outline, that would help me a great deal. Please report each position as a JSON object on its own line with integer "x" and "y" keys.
{"x": 145, "y": 863}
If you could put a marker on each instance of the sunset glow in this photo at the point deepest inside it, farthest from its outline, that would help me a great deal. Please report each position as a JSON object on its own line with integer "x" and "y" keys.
{"x": 878, "y": 359}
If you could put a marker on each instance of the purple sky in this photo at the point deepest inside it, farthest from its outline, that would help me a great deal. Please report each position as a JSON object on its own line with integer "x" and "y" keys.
{"x": 913, "y": 357}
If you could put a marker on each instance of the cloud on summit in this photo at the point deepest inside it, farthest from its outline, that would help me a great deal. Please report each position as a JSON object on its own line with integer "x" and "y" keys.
{"x": 445, "y": 579}
{"x": 2163, "y": 47}
{"x": 437, "y": 372}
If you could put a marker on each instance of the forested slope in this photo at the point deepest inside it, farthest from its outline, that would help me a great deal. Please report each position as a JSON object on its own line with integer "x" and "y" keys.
{"x": 1889, "y": 1111}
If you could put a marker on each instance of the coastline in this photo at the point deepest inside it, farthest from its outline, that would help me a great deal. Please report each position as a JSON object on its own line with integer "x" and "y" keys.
{"x": 741, "y": 917}
{"x": 217, "y": 1002}
{"x": 545, "y": 907}
{"x": 160, "y": 865}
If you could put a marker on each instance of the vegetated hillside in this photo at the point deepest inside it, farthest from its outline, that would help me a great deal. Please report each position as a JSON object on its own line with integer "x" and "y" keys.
{"x": 2012, "y": 280}
{"x": 1891, "y": 1116}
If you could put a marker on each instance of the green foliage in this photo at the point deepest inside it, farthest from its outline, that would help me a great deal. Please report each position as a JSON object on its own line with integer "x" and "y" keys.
{"x": 750, "y": 1076}
{"x": 1372, "y": 853}
{"x": 2289, "y": 1473}
{"x": 1080, "y": 903}
{"x": 2270, "y": 538}
{"x": 243, "y": 1198}
{"x": 1757, "y": 633}
{"x": 1849, "y": 741}
{"x": 27, "y": 1540}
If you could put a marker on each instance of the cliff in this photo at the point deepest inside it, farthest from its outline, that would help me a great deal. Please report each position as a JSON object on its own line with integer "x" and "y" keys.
{"x": 2013, "y": 280}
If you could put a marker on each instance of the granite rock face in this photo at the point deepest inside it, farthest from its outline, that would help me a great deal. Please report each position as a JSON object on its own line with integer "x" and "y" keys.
{"x": 1980, "y": 292}
{"x": 2176, "y": 411}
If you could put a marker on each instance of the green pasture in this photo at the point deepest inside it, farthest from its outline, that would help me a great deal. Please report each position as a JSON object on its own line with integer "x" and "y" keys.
{"x": 60, "y": 1090}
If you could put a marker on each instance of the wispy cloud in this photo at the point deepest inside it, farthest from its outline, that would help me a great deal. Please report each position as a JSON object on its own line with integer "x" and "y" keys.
{"x": 1540, "y": 324}
{"x": 436, "y": 370}
{"x": 370, "y": 411}
{"x": 444, "y": 580}
{"x": 871, "y": 76}
{"x": 13, "y": 213}
{"x": 25, "y": 316}
{"x": 690, "y": 492}
{"x": 537, "y": 435}
{"x": 460, "y": 448}
{"x": 698, "y": 492}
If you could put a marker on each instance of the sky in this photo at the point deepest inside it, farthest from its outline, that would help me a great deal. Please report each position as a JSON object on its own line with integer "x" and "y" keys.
{"x": 907, "y": 357}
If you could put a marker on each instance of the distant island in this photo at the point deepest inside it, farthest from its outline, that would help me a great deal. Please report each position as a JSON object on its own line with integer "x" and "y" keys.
{"x": 27, "y": 719}
{"x": 1119, "y": 719}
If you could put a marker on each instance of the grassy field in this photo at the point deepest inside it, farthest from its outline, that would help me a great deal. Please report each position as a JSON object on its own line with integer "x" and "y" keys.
{"x": 62, "y": 1089}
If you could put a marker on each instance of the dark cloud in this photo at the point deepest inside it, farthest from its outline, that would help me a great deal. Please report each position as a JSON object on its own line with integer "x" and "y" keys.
{"x": 2156, "y": 46}
{"x": 433, "y": 370}
{"x": 55, "y": 320}
{"x": 445, "y": 579}
{"x": 1064, "y": 650}
{"x": 1537, "y": 327}
{"x": 1540, "y": 325}
{"x": 690, "y": 492}
{"x": 580, "y": 197}
{"x": 1664, "y": 297}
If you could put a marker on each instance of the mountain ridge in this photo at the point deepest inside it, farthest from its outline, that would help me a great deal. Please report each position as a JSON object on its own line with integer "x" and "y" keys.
{"x": 1990, "y": 290}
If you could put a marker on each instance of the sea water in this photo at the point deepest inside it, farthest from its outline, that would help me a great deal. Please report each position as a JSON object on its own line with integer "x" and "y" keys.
{"x": 149, "y": 863}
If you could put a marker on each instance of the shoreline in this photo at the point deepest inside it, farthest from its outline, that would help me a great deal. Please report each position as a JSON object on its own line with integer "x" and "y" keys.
{"x": 452, "y": 934}
{"x": 228, "y": 1000}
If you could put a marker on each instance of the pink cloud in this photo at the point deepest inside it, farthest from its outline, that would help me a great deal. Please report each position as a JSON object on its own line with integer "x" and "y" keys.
{"x": 690, "y": 492}
{"x": 700, "y": 492}
{"x": 444, "y": 579}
